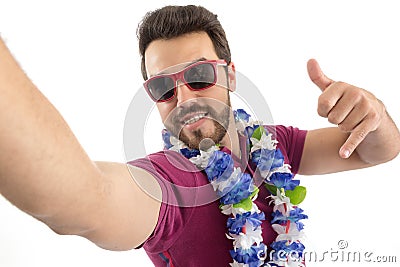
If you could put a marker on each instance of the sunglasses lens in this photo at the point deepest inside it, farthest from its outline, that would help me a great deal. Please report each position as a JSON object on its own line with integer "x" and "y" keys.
{"x": 161, "y": 88}
{"x": 197, "y": 77}
{"x": 200, "y": 76}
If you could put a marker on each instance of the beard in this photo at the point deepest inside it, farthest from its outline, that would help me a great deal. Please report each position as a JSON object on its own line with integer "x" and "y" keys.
{"x": 220, "y": 122}
{"x": 198, "y": 136}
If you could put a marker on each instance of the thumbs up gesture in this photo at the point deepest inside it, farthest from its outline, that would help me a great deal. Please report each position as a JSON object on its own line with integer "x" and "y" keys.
{"x": 354, "y": 110}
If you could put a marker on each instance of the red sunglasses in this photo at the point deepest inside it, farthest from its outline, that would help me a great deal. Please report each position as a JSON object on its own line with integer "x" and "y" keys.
{"x": 197, "y": 76}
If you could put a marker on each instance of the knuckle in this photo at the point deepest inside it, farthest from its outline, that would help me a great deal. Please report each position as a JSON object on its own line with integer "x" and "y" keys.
{"x": 360, "y": 134}
{"x": 324, "y": 106}
{"x": 333, "y": 118}
{"x": 321, "y": 112}
{"x": 365, "y": 104}
{"x": 355, "y": 94}
{"x": 340, "y": 83}
{"x": 345, "y": 127}
{"x": 374, "y": 116}
{"x": 373, "y": 121}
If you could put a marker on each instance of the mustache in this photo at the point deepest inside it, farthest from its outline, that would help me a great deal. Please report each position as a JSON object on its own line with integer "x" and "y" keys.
{"x": 192, "y": 108}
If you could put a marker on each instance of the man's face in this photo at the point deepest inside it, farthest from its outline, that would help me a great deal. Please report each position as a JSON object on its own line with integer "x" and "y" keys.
{"x": 190, "y": 115}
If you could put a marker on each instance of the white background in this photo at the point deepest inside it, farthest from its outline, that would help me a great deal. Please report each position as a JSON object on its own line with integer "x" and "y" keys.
{"x": 83, "y": 56}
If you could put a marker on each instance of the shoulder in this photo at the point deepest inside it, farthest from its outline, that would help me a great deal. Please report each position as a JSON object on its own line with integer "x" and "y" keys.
{"x": 166, "y": 164}
{"x": 182, "y": 183}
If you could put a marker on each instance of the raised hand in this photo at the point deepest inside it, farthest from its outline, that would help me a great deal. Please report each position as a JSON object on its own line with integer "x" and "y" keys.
{"x": 352, "y": 109}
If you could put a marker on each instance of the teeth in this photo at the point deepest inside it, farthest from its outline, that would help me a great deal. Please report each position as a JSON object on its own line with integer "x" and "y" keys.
{"x": 195, "y": 118}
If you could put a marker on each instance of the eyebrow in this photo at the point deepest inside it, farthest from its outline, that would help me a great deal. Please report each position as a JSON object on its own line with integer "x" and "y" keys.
{"x": 190, "y": 63}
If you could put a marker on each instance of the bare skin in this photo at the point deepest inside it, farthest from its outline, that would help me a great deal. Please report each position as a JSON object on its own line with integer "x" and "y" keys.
{"x": 45, "y": 172}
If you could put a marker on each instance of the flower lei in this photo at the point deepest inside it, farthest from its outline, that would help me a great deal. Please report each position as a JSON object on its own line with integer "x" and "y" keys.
{"x": 237, "y": 193}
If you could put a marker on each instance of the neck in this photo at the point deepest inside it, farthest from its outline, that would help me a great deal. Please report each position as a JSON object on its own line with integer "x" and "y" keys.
{"x": 231, "y": 139}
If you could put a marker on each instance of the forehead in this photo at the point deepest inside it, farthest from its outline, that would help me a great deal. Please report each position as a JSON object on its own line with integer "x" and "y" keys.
{"x": 162, "y": 54}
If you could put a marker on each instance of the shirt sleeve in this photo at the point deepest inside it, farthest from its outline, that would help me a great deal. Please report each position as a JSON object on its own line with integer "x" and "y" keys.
{"x": 174, "y": 173}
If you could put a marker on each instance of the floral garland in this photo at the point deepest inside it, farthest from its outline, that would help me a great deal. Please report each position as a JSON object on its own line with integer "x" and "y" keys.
{"x": 237, "y": 193}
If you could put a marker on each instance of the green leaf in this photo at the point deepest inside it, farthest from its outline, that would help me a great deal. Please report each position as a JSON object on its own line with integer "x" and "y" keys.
{"x": 254, "y": 193}
{"x": 244, "y": 204}
{"x": 258, "y": 132}
{"x": 297, "y": 195}
{"x": 271, "y": 188}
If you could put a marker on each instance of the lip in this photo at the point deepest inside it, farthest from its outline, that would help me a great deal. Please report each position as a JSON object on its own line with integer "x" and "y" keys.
{"x": 192, "y": 115}
{"x": 195, "y": 125}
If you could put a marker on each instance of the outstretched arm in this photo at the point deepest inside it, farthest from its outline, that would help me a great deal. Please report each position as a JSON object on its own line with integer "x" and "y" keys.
{"x": 365, "y": 134}
{"x": 45, "y": 172}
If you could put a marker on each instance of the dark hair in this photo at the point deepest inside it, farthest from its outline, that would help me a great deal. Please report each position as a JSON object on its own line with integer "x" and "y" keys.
{"x": 173, "y": 21}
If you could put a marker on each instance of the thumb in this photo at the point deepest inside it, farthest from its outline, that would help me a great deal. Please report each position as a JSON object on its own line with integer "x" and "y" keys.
{"x": 317, "y": 76}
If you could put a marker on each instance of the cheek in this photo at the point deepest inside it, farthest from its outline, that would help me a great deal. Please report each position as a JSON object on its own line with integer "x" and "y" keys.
{"x": 164, "y": 109}
{"x": 219, "y": 93}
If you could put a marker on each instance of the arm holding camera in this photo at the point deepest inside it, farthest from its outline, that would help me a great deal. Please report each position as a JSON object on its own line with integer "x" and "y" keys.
{"x": 45, "y": 172}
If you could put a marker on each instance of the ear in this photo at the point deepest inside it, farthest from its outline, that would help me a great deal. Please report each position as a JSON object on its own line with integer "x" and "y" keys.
{"x": 232, "y": 77}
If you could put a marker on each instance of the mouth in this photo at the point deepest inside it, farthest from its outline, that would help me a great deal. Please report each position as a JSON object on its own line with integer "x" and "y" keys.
{"x": 193, "y": 118}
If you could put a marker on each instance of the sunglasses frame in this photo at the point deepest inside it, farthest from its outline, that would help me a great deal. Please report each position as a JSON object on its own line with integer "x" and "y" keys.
{"x": 179, "y": 76}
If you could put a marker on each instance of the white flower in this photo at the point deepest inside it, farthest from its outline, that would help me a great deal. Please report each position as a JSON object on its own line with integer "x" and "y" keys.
{"x": 265, "y": 142}
{"x": 177, "y": 144}
{"x": 229, "y": 209}
{"x": 289, "y": 263}
{"x": 231, "y": 181}
{"x": 201, "y": 161}
{"x": 285, "y": 233}
{"x": 241, "y": 124}
{"x": 285, "y": 168}
{"x": 245, "y": 241}
{"x": 237, "y": 264}
{"x": 254, "y": 122}
{"x": 281, "y": 203}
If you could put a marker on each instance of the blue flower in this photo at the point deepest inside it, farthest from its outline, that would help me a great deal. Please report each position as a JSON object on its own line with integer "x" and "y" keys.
{"x": 249, "y": 130}
{"x": 297, "y": 214}
{"x": 284, "y": 180}
{"x": 267, "y": 159}
{"x": 294, "y": 215}
{"x": 240, "y": 114}
{"x": 241, "y": 190}
{"x": 281, "y": 250}
{"x": 278, "y": 217}
{"x": 166, "y": 138}
{"x": 189, "y": 153}
{"x": 253, "y": 256}
{"x": 220, "y": 166}
{"x": 235, "y": 225}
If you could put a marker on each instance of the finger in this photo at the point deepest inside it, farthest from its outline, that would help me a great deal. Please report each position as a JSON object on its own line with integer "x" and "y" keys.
{"x": 317, "y": 76}
{"x": 355, "y": 138}
{"x": 353, "y": 119}
{"x": 339, "y": 113}
{"x": 348, "y": 109}
{"x": 330, "y": 98}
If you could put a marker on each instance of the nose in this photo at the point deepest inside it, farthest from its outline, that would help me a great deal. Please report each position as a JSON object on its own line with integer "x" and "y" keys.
{"x": 183, "y": 93}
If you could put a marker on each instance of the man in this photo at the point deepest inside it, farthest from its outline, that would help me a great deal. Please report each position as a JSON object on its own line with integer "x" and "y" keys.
{"x": 109, "y": 214}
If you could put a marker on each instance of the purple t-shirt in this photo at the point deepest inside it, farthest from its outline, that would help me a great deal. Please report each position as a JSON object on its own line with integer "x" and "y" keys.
{"x": 194, "y": 235}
